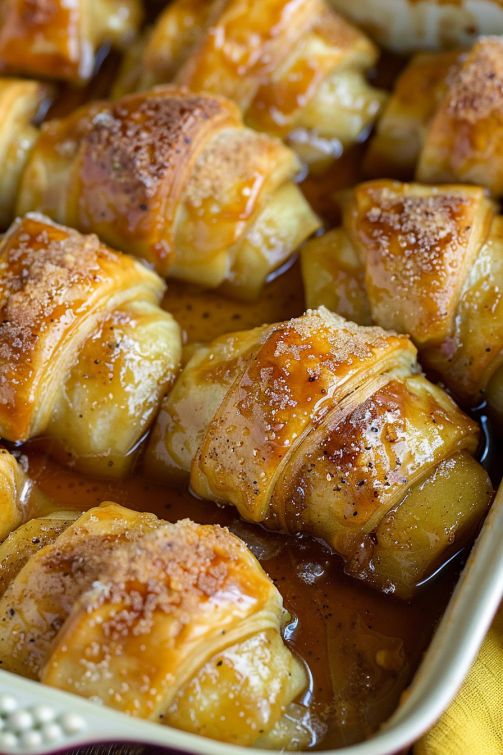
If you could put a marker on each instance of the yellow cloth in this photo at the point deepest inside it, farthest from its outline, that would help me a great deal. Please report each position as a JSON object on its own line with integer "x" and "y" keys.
{"x": 473, "y": 725}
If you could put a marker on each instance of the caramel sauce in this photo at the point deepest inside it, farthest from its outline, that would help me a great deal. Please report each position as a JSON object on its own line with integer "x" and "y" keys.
{"x": 360, "y": 647}
{"x": 204, "y": 315}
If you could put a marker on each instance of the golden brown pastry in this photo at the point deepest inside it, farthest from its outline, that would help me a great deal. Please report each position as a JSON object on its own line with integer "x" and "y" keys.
{"x": 321, "y": 426}
{"x": 424, "y": 260}
{"x": 444, "y": 122}
{"x": 86, "y": 353}
{"x": 174, "y": 178}
{"x": 296, "y": 69}
{"x": 19, "y": 497}
{"x": 20, "y": 103}
{"x": 27, "y": 538}
{"x": 59, "y": 39}
{"x": 176, "y": 623}
{"x": 407, "y": 25}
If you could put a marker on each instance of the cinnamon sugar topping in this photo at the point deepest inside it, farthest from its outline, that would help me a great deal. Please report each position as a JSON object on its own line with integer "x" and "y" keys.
{"x": 423, "y": 226}
{"x": 476, "y": 87}
{"x": 234, "y": 158}
{"x": 145, "y": 136}
{"x": 171, "y": 569}
{"x": 44, "y": 269}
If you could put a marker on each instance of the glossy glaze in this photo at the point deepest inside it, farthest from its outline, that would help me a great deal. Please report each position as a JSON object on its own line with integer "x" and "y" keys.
{"x": 60, "y": 38}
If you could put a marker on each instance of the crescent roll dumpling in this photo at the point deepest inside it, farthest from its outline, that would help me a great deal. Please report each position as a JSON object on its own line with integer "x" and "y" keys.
{"x": 444, "y": 122}
{"x": 407, "y": 25}
{"x": 427, "y": 260}
{"x": 296, "y": 69}
{"x": 174, "y": 178}
{"x": 318, "y": 425}
{"x": 171, "y": 622}
{"x": 59, "y": 39}
{"x": 86, "y": 352}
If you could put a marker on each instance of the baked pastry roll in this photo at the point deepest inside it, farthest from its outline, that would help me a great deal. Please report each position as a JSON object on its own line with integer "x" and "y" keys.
{"x": 407, "y": 25}
{"x": 444, "y": 122}
{"x": 319, "y": 425}
{"x": 174, "y": 178}
{"x": 86, "y": 353}
{"x": 176, "y": 623}
{"x": 296, "y": 70}
{"x": 20, "y": 103}
{"x": 59, "y": 39}
{"x": 426, "y": 260}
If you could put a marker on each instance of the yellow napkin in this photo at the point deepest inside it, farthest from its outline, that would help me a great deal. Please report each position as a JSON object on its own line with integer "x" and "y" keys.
{"x": 473, "y": 725}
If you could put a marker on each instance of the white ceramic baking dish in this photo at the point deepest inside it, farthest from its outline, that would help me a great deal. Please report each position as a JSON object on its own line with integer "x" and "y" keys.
{"x": 37, "y": 719}
{"x": 405, "y": 25}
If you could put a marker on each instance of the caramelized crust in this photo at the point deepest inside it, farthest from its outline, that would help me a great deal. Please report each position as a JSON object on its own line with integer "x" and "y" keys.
{"x": 464, "y": 141}
{"x": 256, "y": 38}
{"x": 234, "y": 178}
{"x": 136, "y": 161}
{"x": 53, "y": 579}
{"x": 162, "y": 621}
{"x": 180, "y": 582}
{"x": 417, "y": 245}
{"x": 127, "y": 165}
{"x": 473, "y": 351}
{"x": 54, "y": 284}
{"x": 345, "y": 477}
{"x": 327, "y": 46}
{"x": 114, "y": 389}
{"x": 189, "y": 407}
{"x": 58, "y": 39}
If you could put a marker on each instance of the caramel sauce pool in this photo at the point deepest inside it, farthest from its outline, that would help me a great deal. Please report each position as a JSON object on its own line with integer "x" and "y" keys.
{"x": 360, "y": 648}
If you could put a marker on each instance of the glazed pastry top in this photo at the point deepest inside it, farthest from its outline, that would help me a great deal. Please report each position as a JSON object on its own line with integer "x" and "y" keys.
{"x": 58, "y": 39}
